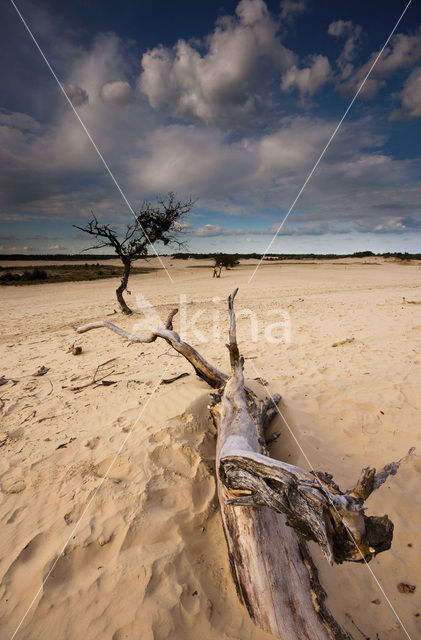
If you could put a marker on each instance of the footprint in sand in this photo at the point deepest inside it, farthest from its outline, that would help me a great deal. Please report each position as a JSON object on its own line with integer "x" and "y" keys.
{"x": 33, "y": 560}
{"x": 16, "y": 516}
{"x": 117, "y": 469}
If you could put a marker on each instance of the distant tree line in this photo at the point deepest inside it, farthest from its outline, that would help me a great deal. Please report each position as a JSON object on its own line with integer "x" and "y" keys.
{"x": 26, "y": 276}
{"x": 206, "y": 256}
{"x": 300, "y": 256}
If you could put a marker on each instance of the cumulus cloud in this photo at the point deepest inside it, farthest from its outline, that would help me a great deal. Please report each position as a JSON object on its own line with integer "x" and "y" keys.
{"x": 50, "y": 170}
{"x": 117, "y": 92}
{"x": 411, "y": 95}
{"x": 51, "y": 167}
{"x": 76, "y": 94}
{"x": 403, "y": 52}
{"x": 229, "y": 79}
{"x": 351, "y": 32}
{"x": 309, "y": 79}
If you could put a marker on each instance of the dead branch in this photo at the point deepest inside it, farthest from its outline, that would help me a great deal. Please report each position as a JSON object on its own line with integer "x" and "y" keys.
{"x": 94, "y": 377}
{"x": 341, "y": 342}
{"x": 170, "y": 380}
{"x": 204, "y": 370}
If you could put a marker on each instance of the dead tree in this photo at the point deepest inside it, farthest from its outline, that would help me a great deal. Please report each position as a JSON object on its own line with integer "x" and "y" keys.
{"x": 271, "y": 508}
{"x": 152, "y": 224}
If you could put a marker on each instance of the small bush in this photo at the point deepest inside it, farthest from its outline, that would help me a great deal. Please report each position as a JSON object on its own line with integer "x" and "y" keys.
{"x": 9, "y": 277}
{"x": 35, "y": 274}
{"x": 39, "y": 274}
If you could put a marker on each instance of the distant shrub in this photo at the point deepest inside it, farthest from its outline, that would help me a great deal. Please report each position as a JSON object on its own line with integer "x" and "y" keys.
{"x": 226, "y": 260}
{"x": 35, "y": 274}
{"x": 9, "y": 277}
{"x": 363, "y": 254}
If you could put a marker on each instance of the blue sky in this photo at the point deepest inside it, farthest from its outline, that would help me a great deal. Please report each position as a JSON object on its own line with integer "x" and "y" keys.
{"x": 231, "y": 103}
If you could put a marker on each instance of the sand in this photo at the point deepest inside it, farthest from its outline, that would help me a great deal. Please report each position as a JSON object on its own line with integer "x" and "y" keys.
{"x": 148, "y": 558}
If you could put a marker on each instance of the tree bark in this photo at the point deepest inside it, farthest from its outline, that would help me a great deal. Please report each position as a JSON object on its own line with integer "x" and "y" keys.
{"x": 123, "y": 286}
{"x": 269, "y": 507}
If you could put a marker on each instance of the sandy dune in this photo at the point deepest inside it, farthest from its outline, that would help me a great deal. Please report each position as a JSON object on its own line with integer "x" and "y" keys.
{"x": 148, "y": 558}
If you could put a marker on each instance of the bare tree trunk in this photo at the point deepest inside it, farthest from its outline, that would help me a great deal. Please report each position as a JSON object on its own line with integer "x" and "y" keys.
{"x": 270, "y": 507}
{"x": 123, "y": 286}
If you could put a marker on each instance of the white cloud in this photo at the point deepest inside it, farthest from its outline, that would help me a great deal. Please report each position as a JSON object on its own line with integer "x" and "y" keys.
{"x": 76, "y": 94}
{"x": 227, "y": 81}
{"x": 411, "y": 95}
{"x": 211, "y": 230}
{"x": 355, "y": 183}
{"x": 117, "y": 92}
{"x": 191, "y": 159}
{"x": 310, "y": 79}
{"x": 352, "y": 32}
{"x": 102, "y": 64}
{"x": 403, "y": 52}
{"x": 265, "y": 172}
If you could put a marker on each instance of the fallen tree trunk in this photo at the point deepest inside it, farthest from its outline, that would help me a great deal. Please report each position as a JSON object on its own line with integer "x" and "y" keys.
{"x": 269, "y": 508}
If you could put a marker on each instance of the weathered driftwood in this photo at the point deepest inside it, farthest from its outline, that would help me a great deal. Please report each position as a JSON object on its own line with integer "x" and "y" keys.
{"x": 259, "y": 497}
{"x": 208, "y": 372}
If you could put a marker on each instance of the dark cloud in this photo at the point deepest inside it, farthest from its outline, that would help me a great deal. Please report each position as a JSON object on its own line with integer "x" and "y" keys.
{"x": 290, "y": 9}
{"x": 76, "y": 95}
